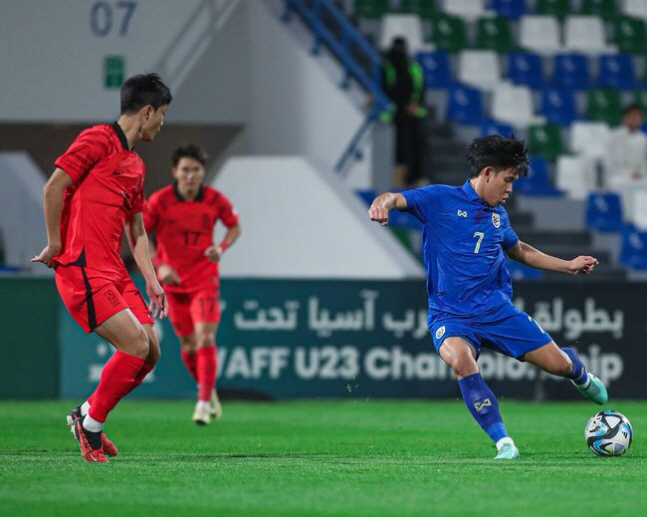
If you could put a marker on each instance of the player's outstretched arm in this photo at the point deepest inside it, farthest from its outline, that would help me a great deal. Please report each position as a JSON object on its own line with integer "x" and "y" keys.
{"x": 139, "y": 244}
{"x": 382, "y": 204}
{"x": 53, "y": 206}
{"x": 526, "y": 254}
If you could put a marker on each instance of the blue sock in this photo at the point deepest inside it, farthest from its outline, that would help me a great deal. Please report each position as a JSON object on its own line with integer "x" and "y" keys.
{"x": 579, "y": 375}
{"x": 483, "y": 405}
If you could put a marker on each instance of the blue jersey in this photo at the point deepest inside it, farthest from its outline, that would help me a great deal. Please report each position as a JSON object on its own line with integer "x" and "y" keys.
{"x": 463, "y": 243}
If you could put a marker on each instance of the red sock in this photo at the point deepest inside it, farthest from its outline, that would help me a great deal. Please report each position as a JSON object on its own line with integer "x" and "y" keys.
{"x": 117, "y": 380}
{"x": 139, "y": 378}
{"x": 190, "y": 360}
{"x": 206, "y": 372}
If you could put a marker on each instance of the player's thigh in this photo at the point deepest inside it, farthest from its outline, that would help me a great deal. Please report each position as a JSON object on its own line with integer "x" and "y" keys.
{"x": 126, "y": 333}
{"x": 205, "y": 305}
{"x": 180, "y": 314}
{"x": 90, "y": 299}
{"x": 460, "y": 355}
{"x": 551, "y": 359}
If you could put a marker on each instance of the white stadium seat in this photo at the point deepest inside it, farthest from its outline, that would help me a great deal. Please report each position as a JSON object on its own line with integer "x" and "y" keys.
{"x": 479, "y": 68}
{"x": 585, "y": 34}
{"x": 575, "y": 176}
{"x": 408, "y": 26}
{"x": 589, "y": 138}
{"x": 540, "y": 34}
{"x": 513, "y": 105}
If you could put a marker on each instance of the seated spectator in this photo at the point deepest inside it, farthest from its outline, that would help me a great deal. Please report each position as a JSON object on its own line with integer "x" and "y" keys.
{"x": 626, "y": 153}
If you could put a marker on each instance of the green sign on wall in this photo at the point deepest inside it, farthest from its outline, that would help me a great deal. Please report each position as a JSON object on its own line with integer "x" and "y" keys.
{"x": 113, "y": 71}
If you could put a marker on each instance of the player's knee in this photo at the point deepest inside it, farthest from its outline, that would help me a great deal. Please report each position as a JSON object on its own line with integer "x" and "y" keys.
{"x": 205, "y": 340}
{"x": 463, "y": 365}
{"x": 140, "y": 346}
{"x": 154, "y": 351}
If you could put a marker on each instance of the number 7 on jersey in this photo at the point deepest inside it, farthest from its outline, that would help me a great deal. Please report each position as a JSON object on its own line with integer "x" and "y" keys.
{"x": 480, "y": 236}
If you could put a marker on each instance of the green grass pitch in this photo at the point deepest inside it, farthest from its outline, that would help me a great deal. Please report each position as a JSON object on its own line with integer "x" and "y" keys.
{"x": 319, "y": 458}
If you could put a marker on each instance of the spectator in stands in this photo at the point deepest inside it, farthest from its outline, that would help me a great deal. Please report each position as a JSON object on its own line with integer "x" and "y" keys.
{"x": 404, "y": 84}
{"x": 626, "y": 156}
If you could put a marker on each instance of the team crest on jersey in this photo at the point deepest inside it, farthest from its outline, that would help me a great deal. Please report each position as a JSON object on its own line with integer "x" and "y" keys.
{"x": 496, "y": 220}
{"x": 440, "y": 332}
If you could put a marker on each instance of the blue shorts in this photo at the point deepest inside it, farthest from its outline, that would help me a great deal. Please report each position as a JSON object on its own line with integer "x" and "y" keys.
{"x": 506, "y": 330}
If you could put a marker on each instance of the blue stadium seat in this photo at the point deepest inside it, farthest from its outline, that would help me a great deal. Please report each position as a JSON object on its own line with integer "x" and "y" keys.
{"x": 633, "y": 252}
{"x": 538, "y": 182}
{"x": 366, "y": 195}
{"x": 571, "y": 71}
{"x": 437, "y": 69}
{"x": 513, "y": 9}
{"x": 492, "y": 127}
{"x": 526, "y": 68}
{"x": 558, "y": 106}
{"x": 617, "y": 71}
{"x": 604, "y": 212}
{"x": 520, "y": 271}
{"x": 465, "y": 105}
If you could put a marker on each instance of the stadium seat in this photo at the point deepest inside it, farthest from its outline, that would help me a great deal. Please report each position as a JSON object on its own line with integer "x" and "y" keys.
{"x": 545, "y": 141}
{"x": 640, "y": 98}
{"x": 604, "y": 212}
{"x": 558, "y": 106}
{"x": 407, "y": 25}
{"x": 514, "y": 105}
{"x": 629, "y": 34}
{"x": 538, "y": 182}
{"x": 492, "y": 127}
{"x": 636, "y": 8}
{"x": 479, "y": 68}
{"x": 616, "y": 71}
{"x": 571, "y": 71}
{"x": 436, "y": 67}
{"x": 465, "y": 105}
{"x": 605, "y": 9}
{"x": 604, "y": 105}
{"x": 558, "y": 8}
{"x": 639, "y": 216}
{"x": 575, "y": 176}
{"x": 494, "y": 34}
{"x": 585, "y": 34}
{"x": 423, "y": 8}
{"x": 366, "y": 195}
{"x": 589, "y": 138}
{"x": 448, "y": 33}
{"x": 526, "y": 68}
{"x": 633, "y": 252}
{"x": 370, "y": 8}
{"x": 467, "y": 9}
{"x": 513, "y": 9}
{"x": 539, "y": 34}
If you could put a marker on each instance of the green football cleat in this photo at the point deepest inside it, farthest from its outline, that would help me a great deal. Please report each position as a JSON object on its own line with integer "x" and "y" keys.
{"x": 595, "y": 390}
{"x": 508, "y": 451}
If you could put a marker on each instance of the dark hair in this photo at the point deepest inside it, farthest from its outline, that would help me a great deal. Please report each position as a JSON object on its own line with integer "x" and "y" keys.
{"x": 499, "y": 153}
{"x": 189, "y": 151}
{"x": 631, "y": 107}
{"x": 143, "y": 90}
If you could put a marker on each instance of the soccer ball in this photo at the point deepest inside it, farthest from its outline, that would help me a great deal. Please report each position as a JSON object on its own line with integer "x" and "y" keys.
{"x": 609, "y": 433}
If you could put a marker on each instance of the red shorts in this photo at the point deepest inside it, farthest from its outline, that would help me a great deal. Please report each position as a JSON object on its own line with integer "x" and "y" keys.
{"x": 92, "y": 298}
{"x": 188, "y": 308}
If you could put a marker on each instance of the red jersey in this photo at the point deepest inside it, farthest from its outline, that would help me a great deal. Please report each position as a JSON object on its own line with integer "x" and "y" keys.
{"x": 184, "y": 230}
{"x": 108, "y": 189}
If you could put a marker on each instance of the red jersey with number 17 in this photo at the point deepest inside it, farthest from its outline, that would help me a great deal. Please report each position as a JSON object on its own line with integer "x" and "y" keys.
{"x": 108, "y": 189}
{"x": 184, "y": 230}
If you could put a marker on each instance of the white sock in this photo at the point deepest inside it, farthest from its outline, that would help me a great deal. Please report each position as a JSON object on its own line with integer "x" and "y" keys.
{"x": 85, "y": 407}
{"x": 503, "y": 441}
{"x": 91, "y": 424}
{"x": 206, "y": 405}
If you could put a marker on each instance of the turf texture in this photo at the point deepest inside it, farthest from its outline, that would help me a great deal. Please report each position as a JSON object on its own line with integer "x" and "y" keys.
{"x": 319, "y": 458}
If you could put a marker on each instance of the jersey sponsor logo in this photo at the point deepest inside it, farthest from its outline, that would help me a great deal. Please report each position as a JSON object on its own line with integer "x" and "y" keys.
{"x": 462, "y": 213}
{"x": 112, "y": 298}
{"x": 440, "y": 332}
{"x": 496, "y": 220}
{"x": 481, "y": 405}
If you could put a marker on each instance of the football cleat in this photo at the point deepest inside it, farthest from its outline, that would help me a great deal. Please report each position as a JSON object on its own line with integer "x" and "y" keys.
{"x": 202, "y": 414}
{"x": 508, "y": 451}
{"x": 90, "y": 443}
{"x": 595, "y": 391}
{"x": 216, "y": 407}
{"x": 108, "y": 447}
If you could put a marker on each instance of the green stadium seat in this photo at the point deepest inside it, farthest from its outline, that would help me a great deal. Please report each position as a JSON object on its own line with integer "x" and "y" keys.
{"x": 494, "y": 34}
{"x": 423, "y": 8}
{"x": 371, "y": 8}
{"x": 604, "y": 105}
{"x": 606, "y": 9}
{"x": 448, "y": 33}
{"x": 629, "y": 34}
{"x": 545, "y": 141}
{"x": 558, "y": 8}
{"x": 640, "y": 98}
